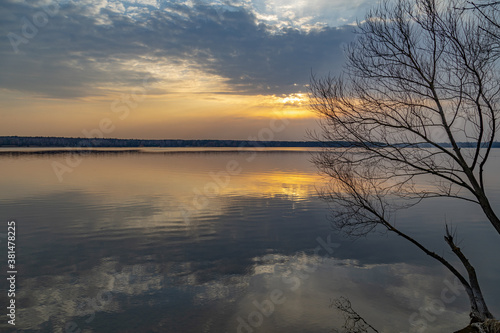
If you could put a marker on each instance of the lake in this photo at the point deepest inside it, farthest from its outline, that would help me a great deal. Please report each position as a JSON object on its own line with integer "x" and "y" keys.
{"x": 182, "y": 240}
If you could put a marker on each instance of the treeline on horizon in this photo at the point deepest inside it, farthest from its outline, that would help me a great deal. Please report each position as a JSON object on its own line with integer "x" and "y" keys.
{"x": 40, "y": 141}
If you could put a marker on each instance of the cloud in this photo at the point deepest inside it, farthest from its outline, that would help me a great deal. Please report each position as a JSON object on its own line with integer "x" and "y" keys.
{"x": 309, "y": 14}
{"x": 88, "y": 46}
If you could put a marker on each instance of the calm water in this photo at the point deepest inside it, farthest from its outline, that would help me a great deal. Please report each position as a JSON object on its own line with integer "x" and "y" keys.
{"x": 175, "y": 241}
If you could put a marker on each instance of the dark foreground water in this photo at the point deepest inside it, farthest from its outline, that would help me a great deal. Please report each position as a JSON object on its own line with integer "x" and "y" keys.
{"x": 174, "y": 241}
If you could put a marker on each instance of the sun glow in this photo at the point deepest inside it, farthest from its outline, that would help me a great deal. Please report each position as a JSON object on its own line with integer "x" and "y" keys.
{"x": 294, "y": 99}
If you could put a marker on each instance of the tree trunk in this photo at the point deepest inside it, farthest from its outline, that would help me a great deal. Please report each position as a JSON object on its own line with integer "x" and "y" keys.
{"x": 488, "y": 326}
{"x": 488, "y": 210}
{"x": 479, "y": 309}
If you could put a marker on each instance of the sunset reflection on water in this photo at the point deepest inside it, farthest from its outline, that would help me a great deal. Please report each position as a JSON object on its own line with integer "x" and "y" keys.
{"x": 121, "y": 231}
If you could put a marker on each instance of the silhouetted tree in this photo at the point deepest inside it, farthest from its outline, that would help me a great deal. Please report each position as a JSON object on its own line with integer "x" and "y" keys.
{"x": 420, "y": 78}
{"x": 353, "y": 322}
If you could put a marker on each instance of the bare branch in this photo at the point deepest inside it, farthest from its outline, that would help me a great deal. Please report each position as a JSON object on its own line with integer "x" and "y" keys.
{"x": 420, "y": 80}
{"x": 354, "y": 323}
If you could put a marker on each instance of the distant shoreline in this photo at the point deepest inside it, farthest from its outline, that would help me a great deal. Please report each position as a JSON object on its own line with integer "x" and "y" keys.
{"x": 65, "y": 144}
{"x": 22, "y": 151}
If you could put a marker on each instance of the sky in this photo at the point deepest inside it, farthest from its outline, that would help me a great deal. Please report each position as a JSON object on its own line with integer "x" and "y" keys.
{"x": 155, "y": 69}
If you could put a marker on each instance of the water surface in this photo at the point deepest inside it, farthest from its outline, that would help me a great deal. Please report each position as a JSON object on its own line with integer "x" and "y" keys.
{"x": 180, "y": 240}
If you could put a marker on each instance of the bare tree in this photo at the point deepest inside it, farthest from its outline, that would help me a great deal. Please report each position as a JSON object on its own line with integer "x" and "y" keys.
{"x": 353, "y": 322}
{"x": 418, "y": 104}
{"x": 489, "y": 12}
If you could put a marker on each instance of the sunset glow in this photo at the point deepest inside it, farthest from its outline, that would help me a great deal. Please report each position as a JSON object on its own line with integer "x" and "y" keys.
{"x": 166, "y": 69}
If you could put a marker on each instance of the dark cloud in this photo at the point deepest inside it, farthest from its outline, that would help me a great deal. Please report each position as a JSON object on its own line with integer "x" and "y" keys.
{"x": 76, "y": 51}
